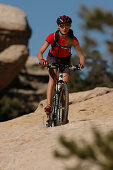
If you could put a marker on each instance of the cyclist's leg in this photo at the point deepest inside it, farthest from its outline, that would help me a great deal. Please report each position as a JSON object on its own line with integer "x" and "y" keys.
{"x": 66, "y": 77}
{"x": 52, "y": 80}
{"x": 51, "y": 85}
{"x": 66, "y": 71}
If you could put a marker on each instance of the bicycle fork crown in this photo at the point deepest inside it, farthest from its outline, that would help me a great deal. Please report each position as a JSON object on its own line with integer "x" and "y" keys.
{"x": 60, "y": 76}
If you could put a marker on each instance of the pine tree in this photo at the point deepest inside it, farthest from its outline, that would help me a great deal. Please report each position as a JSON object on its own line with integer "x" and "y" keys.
{"x": 99, "y": 153}
{"x": 97, "y": 26}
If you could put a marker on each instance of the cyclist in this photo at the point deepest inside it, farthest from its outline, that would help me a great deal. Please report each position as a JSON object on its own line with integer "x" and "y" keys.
{"x": 61, "y": 42}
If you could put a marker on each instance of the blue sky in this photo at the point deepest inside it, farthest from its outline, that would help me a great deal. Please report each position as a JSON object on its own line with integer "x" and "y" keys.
{"x": 42, "y": 15}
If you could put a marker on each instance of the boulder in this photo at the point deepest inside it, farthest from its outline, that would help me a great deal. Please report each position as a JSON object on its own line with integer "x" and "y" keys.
{"x": 14, "y": 35}
{"x": 14, "y": 28}
{"x": 11, "y": 61}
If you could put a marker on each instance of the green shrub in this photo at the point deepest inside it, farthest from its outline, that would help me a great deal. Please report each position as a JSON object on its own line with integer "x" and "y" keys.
{"x": 9, "y": 108}
{"x": 99, "y": 153}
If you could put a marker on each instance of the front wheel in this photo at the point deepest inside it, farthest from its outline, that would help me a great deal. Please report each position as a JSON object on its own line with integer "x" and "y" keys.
{"x": 64, "y": 103}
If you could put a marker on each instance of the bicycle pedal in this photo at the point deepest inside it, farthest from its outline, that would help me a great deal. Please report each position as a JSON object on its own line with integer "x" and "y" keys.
{"x": 48, "y": 124}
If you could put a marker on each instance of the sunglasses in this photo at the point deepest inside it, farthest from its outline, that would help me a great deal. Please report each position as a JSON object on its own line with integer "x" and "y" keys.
{"x": 65, "y": 26}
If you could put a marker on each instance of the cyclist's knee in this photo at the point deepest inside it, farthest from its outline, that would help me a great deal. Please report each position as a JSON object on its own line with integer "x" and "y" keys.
{"x": 66, "y": 77}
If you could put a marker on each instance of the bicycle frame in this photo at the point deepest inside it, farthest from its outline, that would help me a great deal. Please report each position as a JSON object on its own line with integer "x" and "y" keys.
{"x": 61, "y": 95}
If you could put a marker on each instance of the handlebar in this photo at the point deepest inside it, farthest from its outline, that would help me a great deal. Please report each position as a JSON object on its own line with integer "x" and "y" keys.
{"x": 71, "y": 67}
{"x": 56, "y": 65}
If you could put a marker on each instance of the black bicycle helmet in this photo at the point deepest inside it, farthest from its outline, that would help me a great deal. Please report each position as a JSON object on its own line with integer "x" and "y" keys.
{"x": 64, "y": 19}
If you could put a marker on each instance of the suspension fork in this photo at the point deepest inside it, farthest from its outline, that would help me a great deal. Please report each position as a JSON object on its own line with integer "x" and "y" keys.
{"x": 56, "y": 96}
{"x": 59, "y": 80}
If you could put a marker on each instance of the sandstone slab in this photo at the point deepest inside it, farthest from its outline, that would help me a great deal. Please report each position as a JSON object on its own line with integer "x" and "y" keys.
{"x": 25, "y": 144}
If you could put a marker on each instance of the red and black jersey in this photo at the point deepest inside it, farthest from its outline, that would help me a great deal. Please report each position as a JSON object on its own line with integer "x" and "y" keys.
{"x": 58, "y": 51}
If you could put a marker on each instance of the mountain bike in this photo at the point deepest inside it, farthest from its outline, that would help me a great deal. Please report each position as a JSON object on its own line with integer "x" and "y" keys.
{"x": 60, "y": 102}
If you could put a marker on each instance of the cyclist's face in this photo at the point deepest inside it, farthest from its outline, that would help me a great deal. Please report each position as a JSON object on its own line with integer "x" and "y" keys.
{"x": 64, "y": 28}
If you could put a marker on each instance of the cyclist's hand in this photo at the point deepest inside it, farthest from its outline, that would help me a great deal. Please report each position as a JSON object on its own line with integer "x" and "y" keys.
{"x": 43, "y": 62}
{"x": 81, "y": 66}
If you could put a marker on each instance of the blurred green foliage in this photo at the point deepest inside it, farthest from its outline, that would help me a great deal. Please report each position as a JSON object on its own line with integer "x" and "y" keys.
{"x": 97, "y": 46}
{"x": 97, "y": 154}
{"x": 97, "y": 27}
{"x": 9, "y": 108}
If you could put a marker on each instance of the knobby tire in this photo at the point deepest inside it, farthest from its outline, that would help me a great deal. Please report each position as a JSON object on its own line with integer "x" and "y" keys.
{"x": 62, "y": 111}
{"x": 65, "y": 103}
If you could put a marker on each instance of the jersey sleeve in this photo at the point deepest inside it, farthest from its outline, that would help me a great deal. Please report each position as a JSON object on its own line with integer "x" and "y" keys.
{"x": 75, "y": 41}
{"x": 50, "y": 38}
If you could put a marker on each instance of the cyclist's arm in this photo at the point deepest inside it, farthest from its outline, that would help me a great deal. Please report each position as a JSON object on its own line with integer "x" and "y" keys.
{"x": 42, "y": 50}
{"x": 80, "y": 54}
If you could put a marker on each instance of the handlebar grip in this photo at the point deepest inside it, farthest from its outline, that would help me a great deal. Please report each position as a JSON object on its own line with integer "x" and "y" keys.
{"x": 82, "y": 67}
{"x": 76, "y": 67}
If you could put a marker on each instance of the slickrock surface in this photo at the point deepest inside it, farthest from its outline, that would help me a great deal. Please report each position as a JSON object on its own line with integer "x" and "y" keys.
{"x": 25, "y": 144}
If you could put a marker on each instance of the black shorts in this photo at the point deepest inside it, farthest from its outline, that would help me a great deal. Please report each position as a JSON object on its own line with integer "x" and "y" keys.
{"x": 65, "y": 61}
